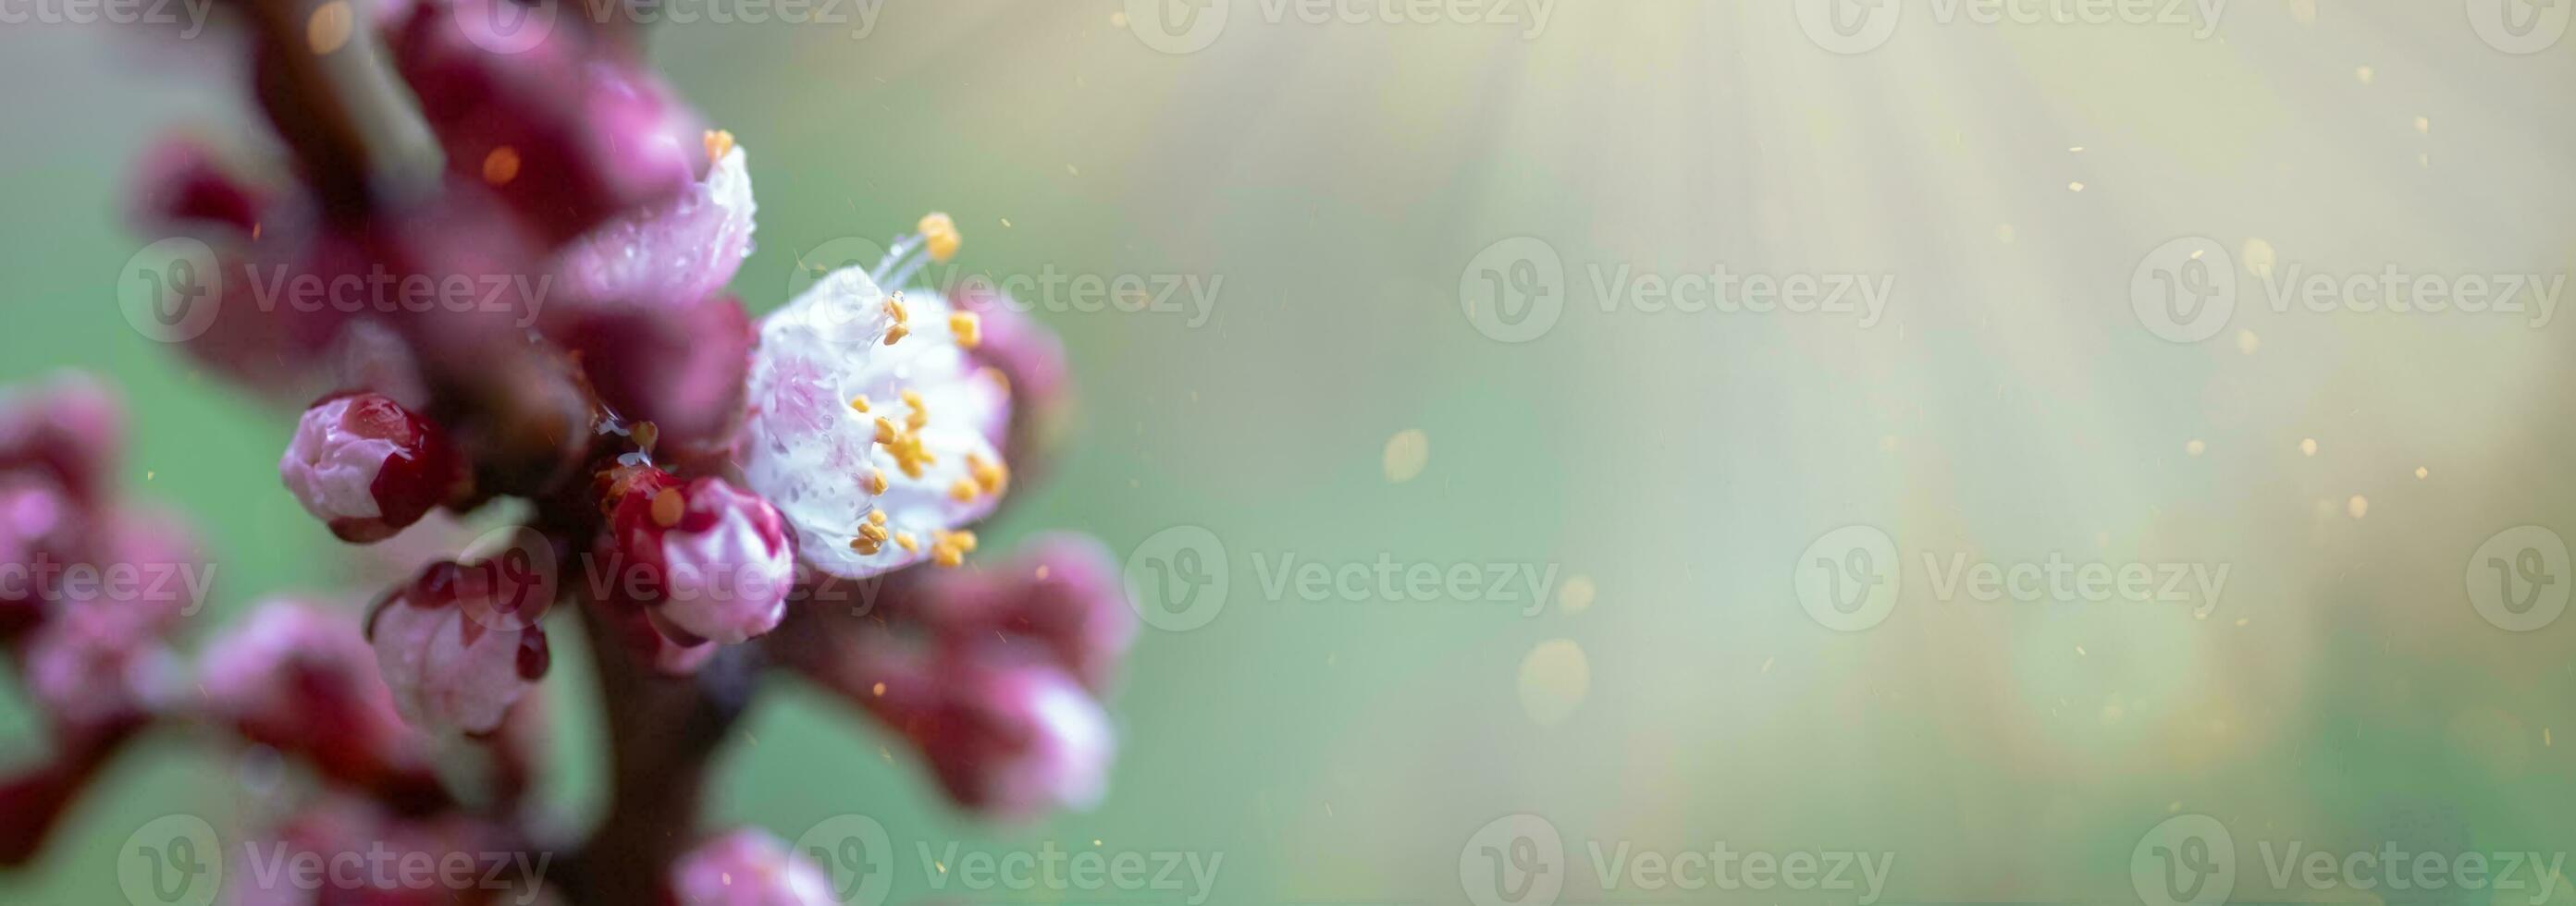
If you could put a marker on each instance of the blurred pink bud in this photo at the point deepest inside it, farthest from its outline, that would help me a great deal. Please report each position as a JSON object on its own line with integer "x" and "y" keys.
{"x": 144, "y": 570}
{"x": 301, "y": 679}
{"x": 184, "y": 185}
{"x": 371, "y": 857}
{"x": 71, "y": 428}
{"x": 367, "y": 467}
{"x": 1066, "y": 591}
{"x": 92, "y": 665}
{"x": 461, "y": 644}
{"x": 714, "y": 561}
{"x": 749, "y": 867}
{"x": 39, "y": 532}
{"x": 1032, "y": 360}
{"x": 1017, "y": 741}
{"x": 568, "y": 133}
{"x": 680, "y": 368}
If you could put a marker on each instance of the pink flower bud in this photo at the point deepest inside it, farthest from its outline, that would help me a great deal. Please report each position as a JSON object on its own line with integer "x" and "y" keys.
{"x": 1032, "y": 360}
{"x": 183, "y": 184}
{"x": 144, "y": 570}
{"x": 40, "y": 531}
{"x": 91, "y": 665}
{"x": 749, "y": 867}
{"x": 1066, "y": 591}
{"x": 680, "y": 368}
{"x": 566, "y": 132}
{"x": 714, "y": 561}
{"x": 367, "y": 467}
{"x": 1017, "y": 741}
{"x": 461, "y": 644}
{"x": 302, "y": 679}
{"x": 70, "y": 429}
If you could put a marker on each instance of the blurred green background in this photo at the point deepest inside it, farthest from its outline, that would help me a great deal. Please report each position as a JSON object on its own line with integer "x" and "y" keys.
{"x": 1332, "y": 183}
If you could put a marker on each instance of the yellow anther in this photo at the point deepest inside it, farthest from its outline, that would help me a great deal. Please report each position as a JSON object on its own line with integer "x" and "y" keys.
{"x": 904, "y": 540}
{"x": 963, "y": 491}
{"x": 993, "y": 477}
{"x": 873, "y": 532}
{"x": 859, "y": 402}
{"x": 865, "y": 546}
{"x": 668, "y": 507}
{"x": 719, "y": 143}
{"x": 877, "y": 481}
{"x": 939, "y": 235}
{"x": 877, "y": 517}
{"x": 887, "y": 433}
{"x": 968, "y": 327}
{"x": 902, "y": 319}
{"x": 920, "y": 411}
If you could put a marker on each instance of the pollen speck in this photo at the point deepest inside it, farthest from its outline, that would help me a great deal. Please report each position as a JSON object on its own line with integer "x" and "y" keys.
{"x": 329, "y": 28}
{"x": 501, "y": 166}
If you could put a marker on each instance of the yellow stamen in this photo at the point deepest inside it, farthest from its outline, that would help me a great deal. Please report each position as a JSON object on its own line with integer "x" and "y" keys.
{"x": 667, "y": 507}
{"x": 719, "y": 143}
{"x": 968, "y": 327}
{"x": 904, "y": 540}
{"x": 939, "y": 235}
{"x": 859, "y": 402}
{"x": 963, "y": 491}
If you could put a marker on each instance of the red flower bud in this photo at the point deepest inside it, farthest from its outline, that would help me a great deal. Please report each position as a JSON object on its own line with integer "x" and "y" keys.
{"x": 367, "y": 467}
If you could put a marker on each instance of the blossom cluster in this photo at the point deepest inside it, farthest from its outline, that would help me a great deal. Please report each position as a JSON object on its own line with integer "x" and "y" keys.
{"x": 699, "y": 493}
